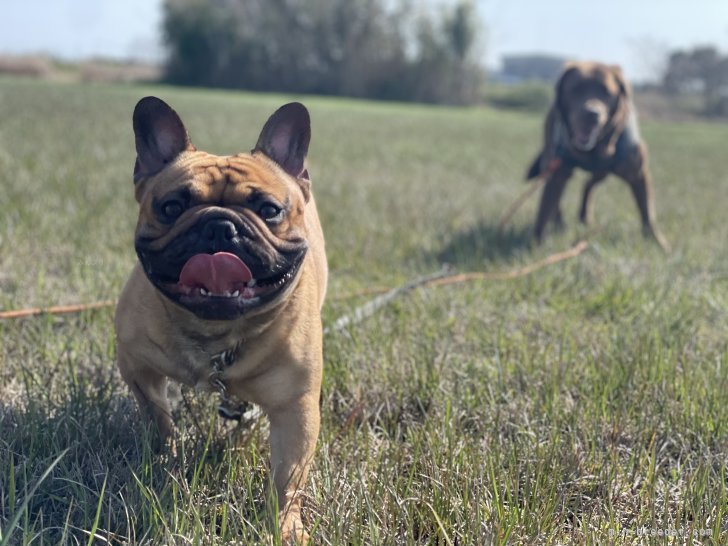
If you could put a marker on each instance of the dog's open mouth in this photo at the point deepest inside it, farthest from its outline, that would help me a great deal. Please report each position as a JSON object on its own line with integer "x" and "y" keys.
{"x": 219, "y": 275}
{"x": 221, "y": 286}
{"x": 585, "y": 137}
{"x": 224, "y": 275}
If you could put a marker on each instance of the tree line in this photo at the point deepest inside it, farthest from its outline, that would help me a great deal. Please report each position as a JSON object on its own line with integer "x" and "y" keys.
{"x": 699, "y": 71}
{"x": 381, "y": 49}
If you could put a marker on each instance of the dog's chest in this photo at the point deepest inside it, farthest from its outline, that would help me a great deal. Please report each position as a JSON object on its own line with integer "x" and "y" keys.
{"x": 233, "y": 363}
{"x": 201, "y": 364}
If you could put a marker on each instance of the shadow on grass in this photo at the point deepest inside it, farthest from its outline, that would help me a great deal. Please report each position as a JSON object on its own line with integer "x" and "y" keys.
{"x": 110, "y": 462}
{"x": 485, "y": 243}
{"x": 96, "y": 453}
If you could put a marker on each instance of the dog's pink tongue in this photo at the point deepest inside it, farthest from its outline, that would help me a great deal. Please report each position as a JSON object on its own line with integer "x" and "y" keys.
{"x": 217, "y": 273}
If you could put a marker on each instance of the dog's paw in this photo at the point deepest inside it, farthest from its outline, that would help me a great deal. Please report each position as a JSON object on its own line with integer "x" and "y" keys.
{"x": 293, "y": 534}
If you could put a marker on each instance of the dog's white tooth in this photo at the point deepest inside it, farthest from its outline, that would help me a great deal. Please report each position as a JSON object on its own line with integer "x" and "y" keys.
{"x": 236, "y": 294}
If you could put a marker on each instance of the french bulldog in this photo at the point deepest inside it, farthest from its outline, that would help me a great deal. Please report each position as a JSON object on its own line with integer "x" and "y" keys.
{"x": 227, "y": 292}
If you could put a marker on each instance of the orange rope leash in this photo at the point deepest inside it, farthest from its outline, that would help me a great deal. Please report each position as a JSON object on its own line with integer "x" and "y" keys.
{"x": 58, "y": 310}
{"x": 551, "y": 259}
{"x": 572, "y": 252}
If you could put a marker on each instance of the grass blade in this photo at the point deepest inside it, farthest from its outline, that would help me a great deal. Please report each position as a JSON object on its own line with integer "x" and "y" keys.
{"x": 5, "y": 536}
{"x": 92, "y": 532}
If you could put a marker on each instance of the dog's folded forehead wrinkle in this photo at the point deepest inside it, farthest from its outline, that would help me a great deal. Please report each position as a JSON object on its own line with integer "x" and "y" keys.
{"x": 224, "y": 179}
{"x": 231, "y": 169}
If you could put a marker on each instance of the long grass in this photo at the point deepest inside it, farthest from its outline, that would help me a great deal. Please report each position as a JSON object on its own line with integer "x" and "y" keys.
{"x": 585, "y": 403}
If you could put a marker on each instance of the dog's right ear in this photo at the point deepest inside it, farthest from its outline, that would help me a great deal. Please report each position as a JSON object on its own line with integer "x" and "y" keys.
{"x": 570, "y": 68}
{"x": 160, "y": 136}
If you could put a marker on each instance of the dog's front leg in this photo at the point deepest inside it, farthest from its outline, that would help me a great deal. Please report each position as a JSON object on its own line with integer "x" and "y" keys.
{"x": 585, "y": 210}
{"x": 294, "y": 429}
{"x": 150, "y": 390}
{"x": 549, "y": 208}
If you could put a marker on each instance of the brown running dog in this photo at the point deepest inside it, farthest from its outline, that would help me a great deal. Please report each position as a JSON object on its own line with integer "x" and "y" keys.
{"x": 592, "y": 125}
{"x": 227, "y": 292}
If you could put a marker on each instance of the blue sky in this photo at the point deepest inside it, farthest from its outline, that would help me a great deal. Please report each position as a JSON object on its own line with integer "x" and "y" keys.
{"x": 82, "y": 28}
{"x": 633, "y": 33}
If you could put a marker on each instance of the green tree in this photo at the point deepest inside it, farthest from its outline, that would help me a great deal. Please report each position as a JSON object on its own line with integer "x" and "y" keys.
{"x": 702, "y": 70}
{"x": 343, "y": 47}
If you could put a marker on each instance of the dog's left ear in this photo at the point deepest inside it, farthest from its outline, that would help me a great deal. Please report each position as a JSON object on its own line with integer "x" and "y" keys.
{"x": 621, "y": 108}
{"x": 624, "y": 88}
{"x": 285, "y": 138}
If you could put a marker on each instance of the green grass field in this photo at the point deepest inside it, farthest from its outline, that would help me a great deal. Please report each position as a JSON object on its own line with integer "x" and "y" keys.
{"x": 585, "y": 403}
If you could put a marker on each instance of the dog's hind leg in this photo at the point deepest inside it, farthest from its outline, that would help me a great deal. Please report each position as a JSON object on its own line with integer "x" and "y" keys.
{"x": 642, "y": 191}
{"x": 549, "y": 209}
{"x": 585, "y": 212}
{"x": 641, "y": 186}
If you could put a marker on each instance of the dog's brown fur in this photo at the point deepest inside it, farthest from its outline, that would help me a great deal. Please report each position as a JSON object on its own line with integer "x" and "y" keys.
{"x": 279, "y": 362}
{"x": 592, "y": 125}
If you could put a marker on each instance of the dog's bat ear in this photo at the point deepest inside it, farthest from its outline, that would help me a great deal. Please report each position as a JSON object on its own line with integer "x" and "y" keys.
{"x": 285, "y": 138}
{"x": 160, "y": 136}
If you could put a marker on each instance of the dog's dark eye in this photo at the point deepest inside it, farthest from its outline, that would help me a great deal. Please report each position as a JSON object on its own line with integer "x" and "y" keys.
{"x": 172, "y": 208}
{"x": 270, "y": 212}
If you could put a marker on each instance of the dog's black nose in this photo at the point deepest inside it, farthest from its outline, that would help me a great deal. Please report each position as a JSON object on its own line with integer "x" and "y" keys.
{"x": 219, "y": 231}
{"x": 591, "y": 114}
